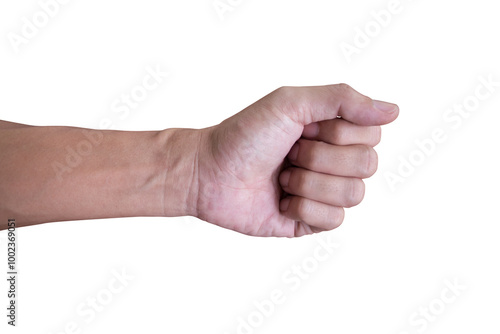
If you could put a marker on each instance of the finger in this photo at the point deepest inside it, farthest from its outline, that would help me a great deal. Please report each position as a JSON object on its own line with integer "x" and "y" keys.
{"x": 341, "y": 132}
{"x": 328, "y": 189}
{"x": 315, "y": 214}
{"x": 302, "y": 228}
{"x": 354, "y": 160}
{"x": 306, "y": 105}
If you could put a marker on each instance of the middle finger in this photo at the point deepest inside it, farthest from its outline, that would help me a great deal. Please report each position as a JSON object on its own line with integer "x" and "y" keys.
{"x": 352, "y": 161}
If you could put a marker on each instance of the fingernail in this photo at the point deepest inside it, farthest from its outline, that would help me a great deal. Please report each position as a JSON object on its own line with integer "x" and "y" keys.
{"x": 285, "y": 178}
{"x": 385, "y": 106}
{"x": 294, "y": 152}
{"x": 284, "y": 204}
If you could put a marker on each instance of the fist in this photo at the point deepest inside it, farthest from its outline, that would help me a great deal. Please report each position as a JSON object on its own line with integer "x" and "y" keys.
{"x": 289, "y": 164}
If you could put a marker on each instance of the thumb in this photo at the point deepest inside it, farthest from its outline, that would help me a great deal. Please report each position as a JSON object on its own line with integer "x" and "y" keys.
{"x": 306, "y": 105}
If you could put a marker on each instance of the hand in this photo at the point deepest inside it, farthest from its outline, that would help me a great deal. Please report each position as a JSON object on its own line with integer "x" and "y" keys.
{"x": 287, "y": 165}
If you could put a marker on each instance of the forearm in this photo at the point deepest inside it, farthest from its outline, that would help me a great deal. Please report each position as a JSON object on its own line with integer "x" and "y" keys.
{"x": 50, "y": 174}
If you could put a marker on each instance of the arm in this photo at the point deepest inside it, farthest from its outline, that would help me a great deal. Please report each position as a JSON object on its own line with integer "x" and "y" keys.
{"x": 50, "y": 174}
{"x": 285, "y": 166}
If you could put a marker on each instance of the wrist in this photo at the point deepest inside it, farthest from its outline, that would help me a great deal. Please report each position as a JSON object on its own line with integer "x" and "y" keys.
{"x": 180, "y": 164}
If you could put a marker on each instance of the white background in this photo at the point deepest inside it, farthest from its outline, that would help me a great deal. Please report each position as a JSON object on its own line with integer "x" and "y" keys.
{"x": 396, "y": 250}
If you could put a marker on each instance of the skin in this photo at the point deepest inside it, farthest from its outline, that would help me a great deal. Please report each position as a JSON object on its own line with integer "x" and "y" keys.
{"x": 286, "y": 166}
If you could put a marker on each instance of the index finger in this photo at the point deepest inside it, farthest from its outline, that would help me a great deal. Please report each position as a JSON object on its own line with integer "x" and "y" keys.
{"x": 341, "y": 132}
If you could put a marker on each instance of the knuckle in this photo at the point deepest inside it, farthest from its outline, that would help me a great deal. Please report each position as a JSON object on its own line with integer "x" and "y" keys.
{"x": 303, "y": 209}
{"x": 338, "y": 135}
{"x": 377, "y": 135}
{"x": 347, "y": 91}
{"x": 341, "y": 215}
{"x": 312, "y": 159}
{"x": 283, "y": 90}
{"x": 288, "y": 96}
{"x": 279, "y": 101}
{"x": 355, "y": 191}
{"x": 369, "y": 161}
{"x": 337, "y": 216}
{"x": 298, "y": 180}
{"x": 344, "y": 88}
{"x": 334, "y": 217}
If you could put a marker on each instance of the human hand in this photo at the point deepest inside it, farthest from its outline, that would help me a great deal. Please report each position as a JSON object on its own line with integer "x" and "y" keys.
{"x": 284, "y": 166}
{"x": 287, "y": 165}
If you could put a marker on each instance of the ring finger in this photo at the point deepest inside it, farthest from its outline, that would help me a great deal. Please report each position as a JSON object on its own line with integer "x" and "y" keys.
{"x": 327, "y": 189}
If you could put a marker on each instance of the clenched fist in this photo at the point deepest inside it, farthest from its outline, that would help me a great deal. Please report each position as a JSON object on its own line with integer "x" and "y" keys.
{"x": 287, "y": 165}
